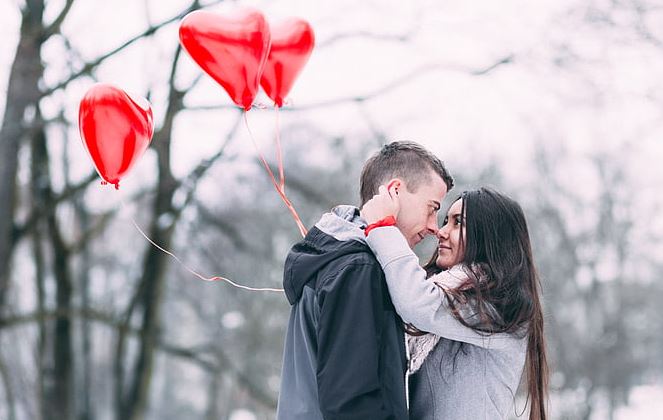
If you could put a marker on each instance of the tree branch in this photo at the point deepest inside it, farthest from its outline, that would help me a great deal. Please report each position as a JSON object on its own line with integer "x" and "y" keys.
{"x": 394, "y": 84}
{"x": 367, "y": 35}
{"x": 308, "y": 191}
{"x": 210, "y": 357}
{"x": 231, "y": 230}
{"x": 190, "y": 182}
{"x": 54, "y": 27}
{"x": 88, "y": 67}
{"x": 38, "y": 212}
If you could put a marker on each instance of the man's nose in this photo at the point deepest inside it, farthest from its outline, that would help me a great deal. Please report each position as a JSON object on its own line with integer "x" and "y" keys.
{"x": 432, "y": 226}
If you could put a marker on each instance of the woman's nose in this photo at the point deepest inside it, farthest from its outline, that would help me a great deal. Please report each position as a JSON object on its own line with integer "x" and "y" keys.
{"x": 442, "y": 233}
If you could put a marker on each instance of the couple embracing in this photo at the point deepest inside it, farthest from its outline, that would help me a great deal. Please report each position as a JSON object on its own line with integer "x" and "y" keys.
{"x": 373, "y": 335}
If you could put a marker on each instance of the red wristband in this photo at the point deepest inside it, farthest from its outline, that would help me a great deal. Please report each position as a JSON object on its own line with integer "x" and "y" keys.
{"x": 387, "y": 221}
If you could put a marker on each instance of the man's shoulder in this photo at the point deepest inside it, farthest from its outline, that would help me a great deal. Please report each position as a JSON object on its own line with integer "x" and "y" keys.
{"x": 343, "y": 251}
{"x": 361, "y": 265}
{"x": 358, "y": 254}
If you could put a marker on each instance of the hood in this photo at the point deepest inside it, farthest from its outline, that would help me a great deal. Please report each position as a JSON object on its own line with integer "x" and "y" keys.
{"x": 338, "y": 233}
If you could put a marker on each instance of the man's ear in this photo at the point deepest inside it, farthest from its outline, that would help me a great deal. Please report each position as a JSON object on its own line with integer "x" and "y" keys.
{"x": 394, "y": 185}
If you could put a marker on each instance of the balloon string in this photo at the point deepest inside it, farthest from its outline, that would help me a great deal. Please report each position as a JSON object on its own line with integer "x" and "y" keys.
{"x": 279, "y": 153}
{"x": 279, "y": 189}
{"x": 194, "y": 272}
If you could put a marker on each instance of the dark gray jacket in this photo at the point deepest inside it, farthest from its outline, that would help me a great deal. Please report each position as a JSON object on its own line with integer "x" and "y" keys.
{"x": 344, "y": 354}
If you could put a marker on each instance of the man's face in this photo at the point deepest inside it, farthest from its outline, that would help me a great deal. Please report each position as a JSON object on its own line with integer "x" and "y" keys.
{"x": 418, "y": 210}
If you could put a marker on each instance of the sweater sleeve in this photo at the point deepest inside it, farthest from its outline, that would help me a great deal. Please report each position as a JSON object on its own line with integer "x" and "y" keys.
{"x": 349, "y": 331}
{"x": 417, "y": 299}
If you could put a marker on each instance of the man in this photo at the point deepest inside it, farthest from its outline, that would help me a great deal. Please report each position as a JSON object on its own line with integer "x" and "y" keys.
{"x": 344, "y": 354}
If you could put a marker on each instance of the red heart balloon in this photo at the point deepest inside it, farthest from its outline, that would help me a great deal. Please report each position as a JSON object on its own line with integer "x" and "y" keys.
{"x": 292, "y": 44}
{"x": 231, "y": 49}
{"x": 115, "y": 129}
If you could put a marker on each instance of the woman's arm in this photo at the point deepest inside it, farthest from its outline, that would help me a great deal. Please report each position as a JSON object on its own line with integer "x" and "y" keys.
{"x": 418, "y": 300}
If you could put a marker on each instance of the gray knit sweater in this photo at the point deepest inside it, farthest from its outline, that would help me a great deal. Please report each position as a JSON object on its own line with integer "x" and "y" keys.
{"x": 466, "y": 375}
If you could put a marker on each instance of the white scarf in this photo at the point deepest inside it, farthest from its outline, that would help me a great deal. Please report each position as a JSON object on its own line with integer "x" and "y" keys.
{"x": 421, "y": 346}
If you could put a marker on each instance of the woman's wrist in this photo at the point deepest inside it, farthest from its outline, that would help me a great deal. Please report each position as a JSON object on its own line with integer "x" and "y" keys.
{"x": 386, "y": 221}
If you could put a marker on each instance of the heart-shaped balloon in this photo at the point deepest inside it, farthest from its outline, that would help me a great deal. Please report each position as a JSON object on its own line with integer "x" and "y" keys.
{"x": 116, "y": 130}
{"x": 292, "y": 44}
{"x": 231, "y": 49}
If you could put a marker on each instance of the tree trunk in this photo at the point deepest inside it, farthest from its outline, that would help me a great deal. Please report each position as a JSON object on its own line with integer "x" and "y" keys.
{"x": 154, "y": 272}
{"x": 63, "y": 351}
{"x": 134, "y": 405}
{"x": 9, "y": 391}
{"x": 59, "y": 396}
{"x": 22, "y": 94}
{"x": 87, "y": 412}
{"x": 213, "y": 391}
{"x": 40, "y": 272}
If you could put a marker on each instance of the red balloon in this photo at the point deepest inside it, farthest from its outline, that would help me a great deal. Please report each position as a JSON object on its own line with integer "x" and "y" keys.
{"x": 231, "y": 49}
{"x": 292, "y": 44}
{"x": 115, "y": 129}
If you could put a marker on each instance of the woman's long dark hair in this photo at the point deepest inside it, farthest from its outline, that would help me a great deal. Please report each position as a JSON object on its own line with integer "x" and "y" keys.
{"x": 497, "y": 247}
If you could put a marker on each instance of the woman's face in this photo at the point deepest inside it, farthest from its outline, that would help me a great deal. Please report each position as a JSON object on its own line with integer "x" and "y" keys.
{"x": 451, "y": 250}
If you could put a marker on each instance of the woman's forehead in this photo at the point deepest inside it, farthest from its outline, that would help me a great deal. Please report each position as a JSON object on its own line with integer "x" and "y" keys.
{"x": 456, "y": 207}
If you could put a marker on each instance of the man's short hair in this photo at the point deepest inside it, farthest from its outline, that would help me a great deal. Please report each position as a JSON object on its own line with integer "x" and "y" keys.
{"x": 401, "y": 159}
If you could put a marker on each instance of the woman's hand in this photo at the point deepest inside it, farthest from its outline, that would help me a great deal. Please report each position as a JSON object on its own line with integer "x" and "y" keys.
{"x": 384, "y": 204}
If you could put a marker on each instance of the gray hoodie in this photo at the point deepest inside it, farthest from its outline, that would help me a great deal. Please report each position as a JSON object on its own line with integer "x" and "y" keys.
{"x": 466, "y": 375}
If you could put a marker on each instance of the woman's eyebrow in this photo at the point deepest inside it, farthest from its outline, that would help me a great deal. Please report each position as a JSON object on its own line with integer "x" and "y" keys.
{"x": 450, "y": 215}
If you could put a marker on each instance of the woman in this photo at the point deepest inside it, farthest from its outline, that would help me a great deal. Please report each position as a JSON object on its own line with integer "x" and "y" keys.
{"x": 479, "y": 302}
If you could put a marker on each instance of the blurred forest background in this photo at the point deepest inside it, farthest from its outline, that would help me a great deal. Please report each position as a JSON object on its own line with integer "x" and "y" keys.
{"x": 557, "y": 103}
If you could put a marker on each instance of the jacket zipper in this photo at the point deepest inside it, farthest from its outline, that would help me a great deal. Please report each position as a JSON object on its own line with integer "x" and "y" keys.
{"x": 407, "y": 373}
